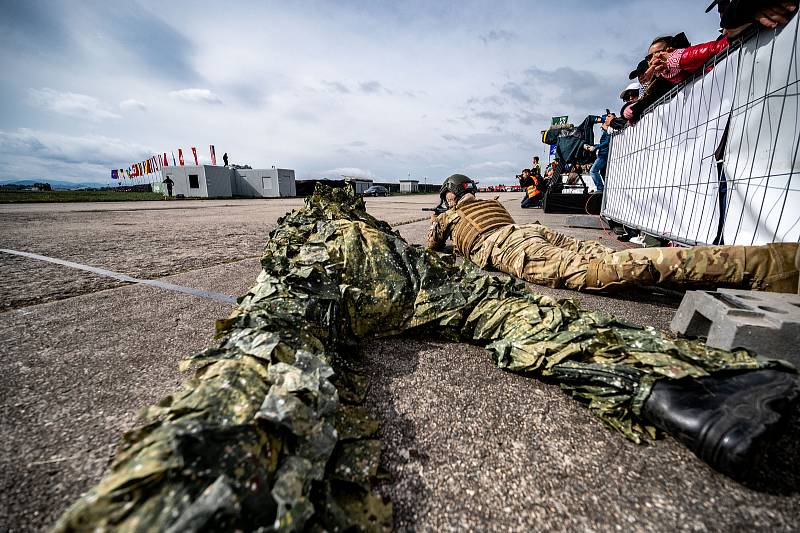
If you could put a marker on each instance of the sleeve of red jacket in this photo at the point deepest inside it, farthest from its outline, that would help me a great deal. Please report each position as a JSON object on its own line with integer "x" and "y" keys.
{"x": 694, "y": 57}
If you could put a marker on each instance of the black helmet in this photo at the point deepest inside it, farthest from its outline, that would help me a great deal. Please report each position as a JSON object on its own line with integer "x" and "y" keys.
{"x": 458, "y": 184}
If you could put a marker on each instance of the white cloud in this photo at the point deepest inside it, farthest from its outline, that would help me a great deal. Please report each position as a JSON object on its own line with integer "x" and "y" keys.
{"x": 71, "y": 149}
{"x": 70, "y": 104}
{"x": 132, "y": 104}
{"x": 196, "y": 95}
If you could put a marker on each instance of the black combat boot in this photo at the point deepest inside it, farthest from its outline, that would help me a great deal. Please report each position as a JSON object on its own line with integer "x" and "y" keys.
{"x": 725, "y": 419}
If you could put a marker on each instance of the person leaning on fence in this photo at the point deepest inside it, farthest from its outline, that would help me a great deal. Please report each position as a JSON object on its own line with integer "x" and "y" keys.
{"x": 654, "y": 86}
{"x": 738, "y": 15}
{"x": 485, "y": 233}
{"x": 680, "y": 64}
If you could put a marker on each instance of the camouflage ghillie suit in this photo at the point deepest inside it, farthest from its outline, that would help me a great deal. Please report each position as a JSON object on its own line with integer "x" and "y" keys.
{"x": 269, "y": 432}
{"x": 484, "y": 231}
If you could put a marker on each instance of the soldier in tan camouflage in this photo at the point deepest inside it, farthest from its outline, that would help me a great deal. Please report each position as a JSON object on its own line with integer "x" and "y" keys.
{"x": 484, "y": 232}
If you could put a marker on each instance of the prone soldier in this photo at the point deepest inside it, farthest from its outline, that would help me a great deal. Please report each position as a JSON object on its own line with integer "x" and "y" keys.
{"x": 484, "y": 232}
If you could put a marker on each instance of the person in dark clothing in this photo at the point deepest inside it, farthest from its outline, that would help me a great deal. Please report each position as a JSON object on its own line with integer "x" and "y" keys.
{"x": 525, "y": 178}
{"x": 536, "y": 169}
{"x": 225, "y": 158}
{"x": 737, "y": 15}
{"x": 168, "y": 182}
{"x": 530, "y": 184}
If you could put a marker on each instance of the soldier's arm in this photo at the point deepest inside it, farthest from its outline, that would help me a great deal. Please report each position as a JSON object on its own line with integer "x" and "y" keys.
{"x": 437, "y": 234}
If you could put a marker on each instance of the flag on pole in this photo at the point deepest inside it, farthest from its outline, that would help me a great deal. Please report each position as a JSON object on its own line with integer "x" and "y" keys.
{"x": 114, "y": 174}
{"x": 173, "y": 159}
{"x": 213, "y": 156}
{"x": 194, "y": 152}
{"x": 180, "y": 155}
{"x": 147, "y": 166}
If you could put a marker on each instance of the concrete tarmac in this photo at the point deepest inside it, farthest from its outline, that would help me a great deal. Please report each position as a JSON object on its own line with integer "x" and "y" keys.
{"x": 468, "y": 446}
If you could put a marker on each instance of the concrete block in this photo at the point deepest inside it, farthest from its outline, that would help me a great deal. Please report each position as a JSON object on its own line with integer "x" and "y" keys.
{"x": 767, "y": 323}
{"x": 586, "y": 221}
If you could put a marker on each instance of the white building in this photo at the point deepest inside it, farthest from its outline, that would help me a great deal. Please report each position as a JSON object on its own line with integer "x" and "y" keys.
{"x": 409, "y": 185}
{"x": 208, "y": 181}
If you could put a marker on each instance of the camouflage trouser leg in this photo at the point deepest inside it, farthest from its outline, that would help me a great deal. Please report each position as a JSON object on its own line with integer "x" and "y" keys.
{"x": 589, "y": 249}
{"x": 677, "y": 267}
{"x": 540, "y": 255}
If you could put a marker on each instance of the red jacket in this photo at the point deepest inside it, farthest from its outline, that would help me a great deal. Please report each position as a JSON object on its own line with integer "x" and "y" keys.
{"x": 695, "y": 57}
{"x": 684, "y": 62}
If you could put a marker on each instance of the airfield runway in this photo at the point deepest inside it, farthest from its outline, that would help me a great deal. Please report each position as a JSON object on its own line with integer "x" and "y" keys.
{"x": 468, "y": 447}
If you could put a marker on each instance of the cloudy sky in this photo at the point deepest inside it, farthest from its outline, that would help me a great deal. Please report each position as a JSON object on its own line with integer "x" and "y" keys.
{"x": 366, "y": 88}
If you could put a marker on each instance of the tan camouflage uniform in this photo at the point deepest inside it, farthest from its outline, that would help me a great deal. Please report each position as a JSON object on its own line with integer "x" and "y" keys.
{"x": 535, "y": 253}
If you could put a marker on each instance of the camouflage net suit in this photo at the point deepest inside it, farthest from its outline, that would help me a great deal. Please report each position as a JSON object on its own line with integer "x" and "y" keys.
{"x": 269, "y": 432}
{"x": 483, "y": 231}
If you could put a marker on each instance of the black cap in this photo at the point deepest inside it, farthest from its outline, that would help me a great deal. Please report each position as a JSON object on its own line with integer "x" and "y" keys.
{"x": 640, "y": 69}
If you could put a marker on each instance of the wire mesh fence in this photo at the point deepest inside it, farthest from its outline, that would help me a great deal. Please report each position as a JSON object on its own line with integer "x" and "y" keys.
{"x": 715, "y": 160}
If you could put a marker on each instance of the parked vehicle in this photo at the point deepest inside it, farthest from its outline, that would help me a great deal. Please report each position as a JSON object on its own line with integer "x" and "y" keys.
{"x": 376, "y": 190}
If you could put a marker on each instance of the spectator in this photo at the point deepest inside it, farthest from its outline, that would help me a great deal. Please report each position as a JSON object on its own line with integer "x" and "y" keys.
{"x": 525, "y": 181}
{"x": 737, "y": 15}
{"x": 654, "y": 86}
{"x": 533, "y": 192}
{"x": 554, "y": 169}
{"x": 575, "y": 173}
{"x": 641, "y": 74}
{"x": 679, "y": 64}
{"x": 630, "y": 93}
{"x": 525, "y": 178}
{"x": 536, "y": 168}
{"x": 601, "y": 149}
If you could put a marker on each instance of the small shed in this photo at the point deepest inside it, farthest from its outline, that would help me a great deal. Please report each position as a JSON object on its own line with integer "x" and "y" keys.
{"x": 409, "y": 185}
{"x": 359, "y": 184}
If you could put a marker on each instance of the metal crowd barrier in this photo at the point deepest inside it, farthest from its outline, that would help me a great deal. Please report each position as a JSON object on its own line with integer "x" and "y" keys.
{"x": 665, "y": 177}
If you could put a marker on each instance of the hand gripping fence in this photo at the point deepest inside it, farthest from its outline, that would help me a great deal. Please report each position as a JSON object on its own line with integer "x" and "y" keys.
{"x": 715, "y": 160}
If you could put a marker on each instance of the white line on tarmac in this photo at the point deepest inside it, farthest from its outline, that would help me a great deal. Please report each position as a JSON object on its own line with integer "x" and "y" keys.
{"x": 123, "y": 277}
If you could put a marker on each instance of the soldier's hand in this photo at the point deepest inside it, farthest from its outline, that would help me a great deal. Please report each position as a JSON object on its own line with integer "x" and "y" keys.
{"x": 433, "y": 218}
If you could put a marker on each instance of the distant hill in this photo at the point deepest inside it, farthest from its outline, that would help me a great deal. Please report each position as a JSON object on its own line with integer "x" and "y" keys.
{"x": 56, "y": 184}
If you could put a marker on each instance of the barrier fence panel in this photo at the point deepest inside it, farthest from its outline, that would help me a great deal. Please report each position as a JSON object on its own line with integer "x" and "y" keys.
{"x": 665, "y": 176}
